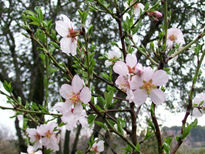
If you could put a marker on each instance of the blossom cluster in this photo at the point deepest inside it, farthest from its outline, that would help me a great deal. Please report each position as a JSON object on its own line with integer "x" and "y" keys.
{"x": 44, "y": 135}
{"x": 72, "y": 109}
{"x": 140, "y": 82}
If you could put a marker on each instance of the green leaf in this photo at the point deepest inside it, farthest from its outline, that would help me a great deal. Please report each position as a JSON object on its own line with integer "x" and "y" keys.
{"x": 91, "y": 118}
{"x": 7, "y": 86}
{"x": 101, "y": 124}
{"x": 108, "y": 98}
{"x": 119, "y": 126}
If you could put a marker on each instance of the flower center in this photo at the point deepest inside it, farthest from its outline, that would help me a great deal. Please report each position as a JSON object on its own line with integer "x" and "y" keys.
{"x": 75, "y": 98}
{"x": 172, "y": 37}
{"x": 95, "y": 149}
{"x": 131, "y": 70}
{"x": 148, "y": 86}
{"x": 48, "y": 134}
{"x": 37, "y": 136}
{"x": 72, "y": 33}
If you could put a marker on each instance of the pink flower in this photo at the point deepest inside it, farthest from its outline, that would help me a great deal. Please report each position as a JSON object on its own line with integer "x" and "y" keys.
{"x": 199, "y": 100}
{"x": 147, "y": 84}
{"x": 75, "y": 92}
{"x": 34, "y": 135}
{"x": 137, "y": 8}
{"x": 126, "y": 69}
{"x": 49, "y": 136}
{"x": 65, "y": 28}
{"x": 123, "y": 83}
{"x": 98, "y": 147}
{"x": 174, "y": 36}
{"x": 72, "y": 115}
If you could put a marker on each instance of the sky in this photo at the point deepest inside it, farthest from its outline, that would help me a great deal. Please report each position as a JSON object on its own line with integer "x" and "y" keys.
{"x": 165, "y": 117}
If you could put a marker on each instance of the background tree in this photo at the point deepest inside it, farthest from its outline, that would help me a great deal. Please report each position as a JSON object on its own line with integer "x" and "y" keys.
{"x": 22, "y": 64}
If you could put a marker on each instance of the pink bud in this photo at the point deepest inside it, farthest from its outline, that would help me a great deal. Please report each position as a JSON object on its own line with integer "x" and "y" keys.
{"x": 157, "y": 14}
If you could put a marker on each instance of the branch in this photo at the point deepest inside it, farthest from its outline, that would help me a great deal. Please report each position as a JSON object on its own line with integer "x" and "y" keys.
{"x": 157, "y": 130}
{"x": 28, "y": 111}
{"x": 189, "y": 106}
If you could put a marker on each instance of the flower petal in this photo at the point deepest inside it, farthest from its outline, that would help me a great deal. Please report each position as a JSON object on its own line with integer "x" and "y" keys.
{"x": 66, "y": 91}
{"x": 85, "y": 95}
{"x": 160, "y": 77}
{"x": 131, "y": 60}
{"x": 120, "y": 68}
{"x": 73, "y": 46}
{"x": 139, "y": 97}
{"x": 77, "y": 84}
{"x": 136, "y": 82}
{"x": 62, "y": 28}
{"x": 65, "y": 44}
{"x": 147, "y": 73}
{"x": 157, "y": 96}
{"x": 197, "y": 113}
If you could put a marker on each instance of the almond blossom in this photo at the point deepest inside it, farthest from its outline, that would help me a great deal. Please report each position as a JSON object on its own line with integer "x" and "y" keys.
{"x": 49, "y": 136}
{"x": 98, "y": 147}
{"x": 65, "y": 28}
{"x": 72, "y": 115}
{"x": 128, "y": 68}
{"x": 174, "y": 36}
{"x": 35, "y": 137}
{"x": 75, "y": 93}
{"x": 111, "y": 56}
{"x": 126, "y": 71}
{"x": 147, "y": 85}
{"x": 199, "y": 101}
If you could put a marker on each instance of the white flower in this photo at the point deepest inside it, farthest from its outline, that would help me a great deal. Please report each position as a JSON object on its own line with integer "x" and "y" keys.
{"x": 112, "y": 55}
{"x": 72, "y": 115}
{"x": 75, "y": 92}
{"x": 49, "y": 136}
{"x": 199, "y": 100}
{"x": 137, "y": 8}
{"x": 65, "y": 28}
{"x": 174, "y": 36}
{"x": 98, "y": 147}
{"x": 128, "y": 68}
{"x": 147, "y": 84}
{"x": 34, "y": 135}
{"x": 31, "y": 150}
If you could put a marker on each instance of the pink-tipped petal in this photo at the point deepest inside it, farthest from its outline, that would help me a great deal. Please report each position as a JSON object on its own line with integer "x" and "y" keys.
{"x": 139, "y": 97}
{"x": 65, "y": 91}
{"x": 160, "y": 78}
{"x": 157, "y": 96}
{"x": 120, "y": 68}
{"x": 131, "y": 60}
{"x": 77, "y": 84}
{"x": 85, "y": 95}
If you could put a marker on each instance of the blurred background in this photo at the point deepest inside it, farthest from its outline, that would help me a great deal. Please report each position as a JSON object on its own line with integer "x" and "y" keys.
{"x": 21, "y": 64}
